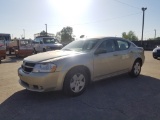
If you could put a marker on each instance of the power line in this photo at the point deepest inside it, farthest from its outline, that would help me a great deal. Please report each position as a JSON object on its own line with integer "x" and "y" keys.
{"x": 127, "y": 4}
{"x": 99, "y": 21}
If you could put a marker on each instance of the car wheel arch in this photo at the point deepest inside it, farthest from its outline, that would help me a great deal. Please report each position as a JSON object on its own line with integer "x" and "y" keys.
{"x": 81, "y": 70}
{"x": 82, "y": 67}
{"x": 135, "y": 68}
{"x": 140, "y": 60}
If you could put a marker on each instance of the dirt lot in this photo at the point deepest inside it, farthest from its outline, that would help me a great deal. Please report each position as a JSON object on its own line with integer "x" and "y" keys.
{"x": 119, "y": 98}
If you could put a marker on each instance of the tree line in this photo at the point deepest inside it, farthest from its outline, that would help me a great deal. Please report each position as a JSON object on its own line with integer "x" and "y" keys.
{"x": 66, "y": 35}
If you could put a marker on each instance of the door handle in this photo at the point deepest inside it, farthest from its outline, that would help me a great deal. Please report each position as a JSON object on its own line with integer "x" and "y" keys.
{"x": 115, "y": 54}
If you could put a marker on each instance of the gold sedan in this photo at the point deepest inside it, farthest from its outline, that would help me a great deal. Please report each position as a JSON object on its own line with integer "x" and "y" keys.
{"x": 72, "y": 68}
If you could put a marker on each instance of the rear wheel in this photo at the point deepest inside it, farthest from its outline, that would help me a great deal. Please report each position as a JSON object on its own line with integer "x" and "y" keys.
{"x": 75, "y": 82}
{"x": 136, "y": 69}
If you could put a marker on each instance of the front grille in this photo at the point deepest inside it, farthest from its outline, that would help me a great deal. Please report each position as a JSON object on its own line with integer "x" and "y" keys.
{"x": 158, "y": 51}
{"x": 30, "y": 64}
{"x": 27, "y": 67}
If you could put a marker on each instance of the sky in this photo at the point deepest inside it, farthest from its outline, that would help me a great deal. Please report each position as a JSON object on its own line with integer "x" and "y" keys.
{"x": 91, "y": 18}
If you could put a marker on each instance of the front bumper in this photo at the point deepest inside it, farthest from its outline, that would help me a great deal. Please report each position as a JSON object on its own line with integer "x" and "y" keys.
{"x": 40, "y": 82}
{"x": 156, "y": 54}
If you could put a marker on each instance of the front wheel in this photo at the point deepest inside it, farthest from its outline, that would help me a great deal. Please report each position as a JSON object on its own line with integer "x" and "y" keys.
{"x": 44, "y": 50}
{"x": 75, "y": 82}
{"x": 136, "y": 69}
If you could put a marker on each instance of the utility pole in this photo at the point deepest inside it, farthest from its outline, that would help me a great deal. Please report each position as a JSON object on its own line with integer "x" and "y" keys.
{"x": 24, "y": 33}
{"x": 143, "y": 9}
{"x": 155, "y": 33}
{"x": 46, "y": 28}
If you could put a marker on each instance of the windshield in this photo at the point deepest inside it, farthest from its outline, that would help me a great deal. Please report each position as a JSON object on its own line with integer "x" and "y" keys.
{"x": 5, "y": 37}
{"x": 49, "y": 40}
{"x": 81, "y": 45}
{"x": 2, "y": 42}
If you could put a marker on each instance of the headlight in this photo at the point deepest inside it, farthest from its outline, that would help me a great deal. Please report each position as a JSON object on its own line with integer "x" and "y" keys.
{"x": 45, "y": 67}
{"x": 155, "y": 50}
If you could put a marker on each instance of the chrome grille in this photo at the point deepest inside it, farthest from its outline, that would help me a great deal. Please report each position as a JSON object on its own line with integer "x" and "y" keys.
{"x": 27, "y": 66}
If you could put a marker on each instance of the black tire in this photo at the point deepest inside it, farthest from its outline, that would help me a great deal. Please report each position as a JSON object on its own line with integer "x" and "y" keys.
{"x": 155, "y": 57}
{"x": 75, "y": 82}
{"x": 10, "y": 51}
{"x": 136, "y": 69}
{"x": 44, "y": 50}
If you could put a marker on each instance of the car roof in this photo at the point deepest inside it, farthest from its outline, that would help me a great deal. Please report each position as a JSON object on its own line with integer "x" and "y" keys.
{"x": 102, "y": 38}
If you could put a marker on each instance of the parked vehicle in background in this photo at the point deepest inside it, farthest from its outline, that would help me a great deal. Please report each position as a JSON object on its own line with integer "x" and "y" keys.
{"x": 45, "y": 42}
{"x": 2, "y": 49}
{"x": 6, "y": 38}
{"x": 74, "y": 66}
{"x": 24, "y": 48}
{"x": 156, "y": 52}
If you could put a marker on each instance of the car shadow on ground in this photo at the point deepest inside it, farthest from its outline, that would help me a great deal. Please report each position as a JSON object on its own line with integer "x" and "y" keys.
{"x": 118, "y": 98}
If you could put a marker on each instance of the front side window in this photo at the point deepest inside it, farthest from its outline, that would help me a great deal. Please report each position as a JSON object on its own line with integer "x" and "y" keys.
{"x": 107, "y": 46}
{"x": 123, "y": 45}
{"x": 37, "y": 40}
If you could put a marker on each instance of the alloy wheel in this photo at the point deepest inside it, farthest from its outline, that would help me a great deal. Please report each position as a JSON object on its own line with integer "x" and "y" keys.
{"x": 77, "y": 82}
{"x": 137, "y": 68}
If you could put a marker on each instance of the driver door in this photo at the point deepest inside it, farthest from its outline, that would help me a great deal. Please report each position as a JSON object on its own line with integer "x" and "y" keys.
{"x": 106, "y": 61}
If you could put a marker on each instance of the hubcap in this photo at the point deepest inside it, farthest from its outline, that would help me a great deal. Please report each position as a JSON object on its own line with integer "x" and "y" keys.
{"x": 77, "y": 82}
{"x": 137, "y": 68}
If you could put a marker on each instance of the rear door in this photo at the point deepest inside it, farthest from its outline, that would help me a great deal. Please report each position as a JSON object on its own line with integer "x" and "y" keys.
{"x": 122, "y": 49}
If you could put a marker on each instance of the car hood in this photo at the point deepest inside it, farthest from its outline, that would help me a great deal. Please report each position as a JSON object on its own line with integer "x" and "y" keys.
{"x": 50, "y": 55}
{"x": 157, "y": 48}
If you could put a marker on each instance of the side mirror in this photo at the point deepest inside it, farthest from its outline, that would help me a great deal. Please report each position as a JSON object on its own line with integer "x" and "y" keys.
{"x": 100, "y": 51}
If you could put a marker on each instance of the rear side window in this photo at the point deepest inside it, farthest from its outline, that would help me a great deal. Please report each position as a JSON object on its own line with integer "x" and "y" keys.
{"x": 123, "y": 45}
